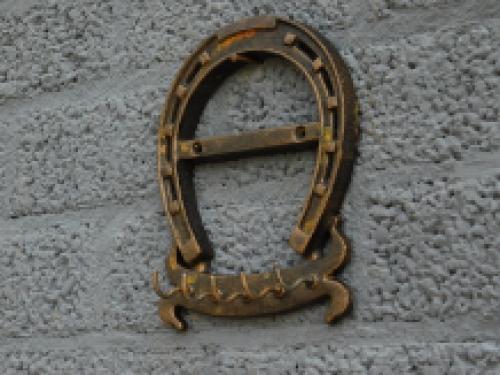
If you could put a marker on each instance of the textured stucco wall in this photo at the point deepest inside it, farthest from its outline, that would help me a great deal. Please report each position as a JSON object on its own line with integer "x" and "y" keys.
{"x": 82, "y": 227}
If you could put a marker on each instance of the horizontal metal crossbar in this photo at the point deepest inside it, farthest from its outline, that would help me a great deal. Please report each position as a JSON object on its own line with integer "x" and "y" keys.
{"x": 263, "y": 141}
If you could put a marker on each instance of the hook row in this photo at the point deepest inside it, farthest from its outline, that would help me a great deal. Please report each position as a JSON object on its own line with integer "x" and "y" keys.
{"x": 217, "y": 296}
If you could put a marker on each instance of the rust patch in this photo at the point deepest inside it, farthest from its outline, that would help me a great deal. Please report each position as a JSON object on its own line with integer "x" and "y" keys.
{"x": 235, "y": 38}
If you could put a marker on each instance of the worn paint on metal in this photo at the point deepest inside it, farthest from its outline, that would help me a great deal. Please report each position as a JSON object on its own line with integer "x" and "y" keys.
{"x": 235, "y": 38}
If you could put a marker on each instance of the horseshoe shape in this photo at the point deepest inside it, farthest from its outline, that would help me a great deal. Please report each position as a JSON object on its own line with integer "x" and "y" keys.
{"x": 335, "y": 136}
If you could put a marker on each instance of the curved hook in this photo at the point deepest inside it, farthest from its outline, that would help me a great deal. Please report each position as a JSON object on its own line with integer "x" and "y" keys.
{"x": 340, "y": 298}
{"x": 249, "y": 295}
{"x": 281, "y": 289}
{"x": 156, "y": 286}
{"x": 168, "y": 315}
{"x": 216, "y": 294}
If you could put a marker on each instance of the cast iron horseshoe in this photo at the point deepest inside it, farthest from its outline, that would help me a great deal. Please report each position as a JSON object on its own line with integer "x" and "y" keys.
{"x": 334, "y": 136}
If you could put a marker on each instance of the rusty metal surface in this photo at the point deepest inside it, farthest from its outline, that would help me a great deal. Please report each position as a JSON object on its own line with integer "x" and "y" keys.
{"x": 253, "y": 41}
{"x": 248, "y": 24}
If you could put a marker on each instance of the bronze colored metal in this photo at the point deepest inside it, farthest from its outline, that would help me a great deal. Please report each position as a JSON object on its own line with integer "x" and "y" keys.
{"x": 334, "y": 136}
{"x": 285, "y": 138}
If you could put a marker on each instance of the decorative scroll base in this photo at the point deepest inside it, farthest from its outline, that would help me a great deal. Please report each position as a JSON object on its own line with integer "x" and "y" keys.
{"x": 340, "y": 302}
{"x": 257, "y": 294}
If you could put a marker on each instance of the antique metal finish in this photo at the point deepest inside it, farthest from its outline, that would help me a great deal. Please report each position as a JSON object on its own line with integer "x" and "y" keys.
{"x": 334, "y": 136}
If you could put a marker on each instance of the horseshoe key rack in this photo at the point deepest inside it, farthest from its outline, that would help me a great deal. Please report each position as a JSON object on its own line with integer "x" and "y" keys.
{"x": 334, "y": 137}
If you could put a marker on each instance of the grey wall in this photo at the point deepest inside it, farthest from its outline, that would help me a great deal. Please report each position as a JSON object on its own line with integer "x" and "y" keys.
{"x": 82, "y": 227}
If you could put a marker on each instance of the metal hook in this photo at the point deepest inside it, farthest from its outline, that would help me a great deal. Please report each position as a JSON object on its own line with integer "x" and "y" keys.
{"x": 282, "y": 286}
{"x": 187, "y": 290}
{"x": 156, "y": 286}
{"x": 249, "y": 295}
{"x": 216, "y": 294}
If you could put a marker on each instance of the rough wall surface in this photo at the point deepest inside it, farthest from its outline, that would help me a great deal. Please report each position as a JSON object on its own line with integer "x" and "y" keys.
{"x": 82, "y": 227}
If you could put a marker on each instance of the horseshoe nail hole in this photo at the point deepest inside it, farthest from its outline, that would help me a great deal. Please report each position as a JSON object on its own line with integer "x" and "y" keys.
{"x": 327, "y": 82}
{"x": 194, "y": 72}
{"x": 175, "y": 110}
{"x": 306, "y": 50}
{"x": 300, "y": 132}
{"x": 197, "y": 148}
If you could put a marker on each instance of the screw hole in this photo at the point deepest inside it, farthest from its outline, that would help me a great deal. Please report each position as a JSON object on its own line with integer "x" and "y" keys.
{"x": 300, "y": 132}
{"x": 197, "y": 148}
